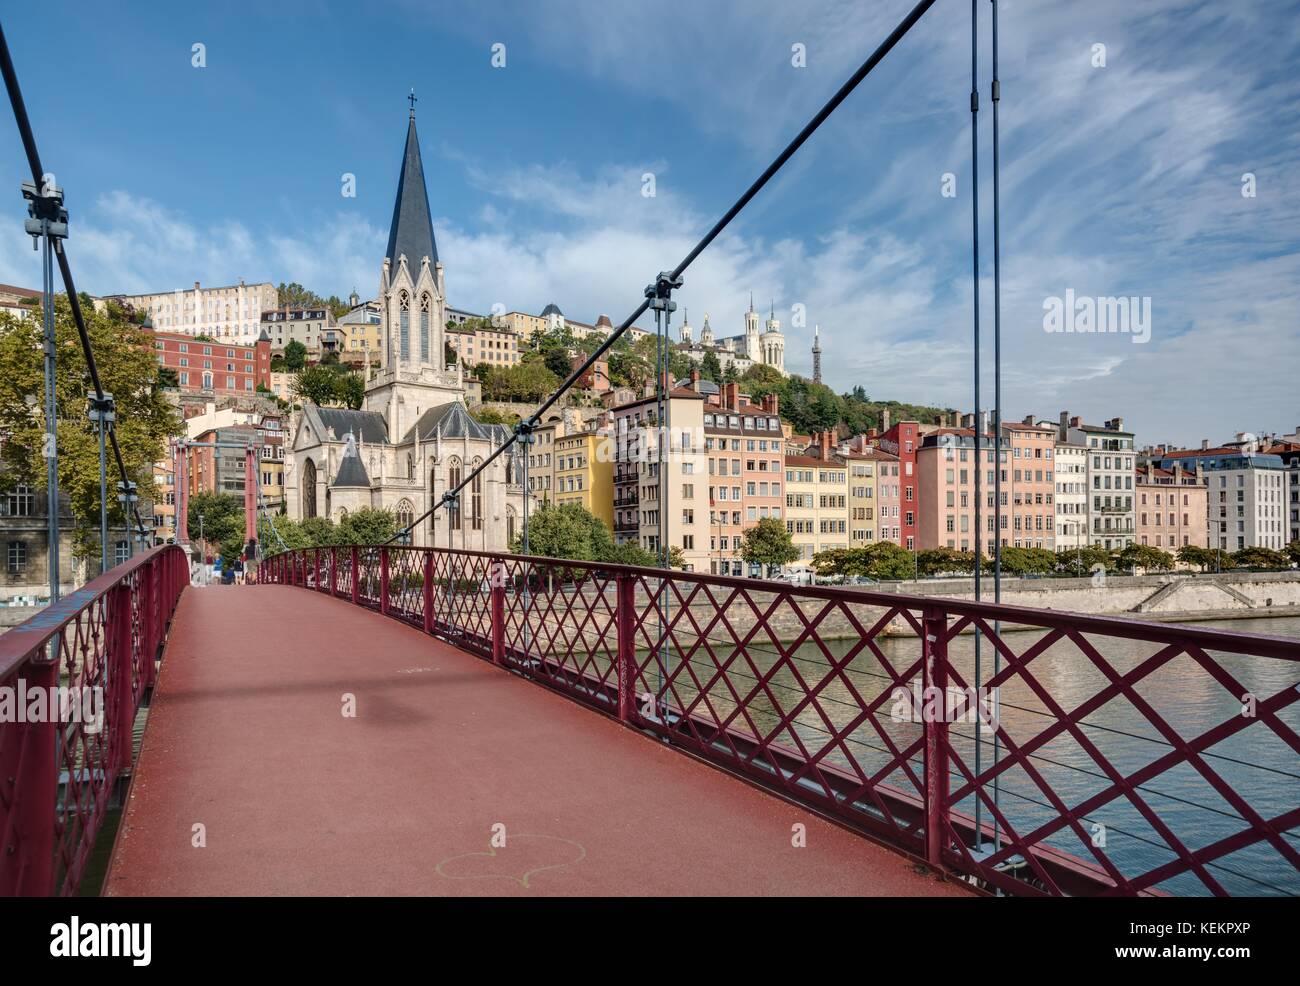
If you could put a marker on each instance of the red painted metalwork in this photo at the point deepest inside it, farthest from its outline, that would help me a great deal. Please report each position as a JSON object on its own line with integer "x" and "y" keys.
{"x": 101, "y": 640}
{"x": 793, "y": 688}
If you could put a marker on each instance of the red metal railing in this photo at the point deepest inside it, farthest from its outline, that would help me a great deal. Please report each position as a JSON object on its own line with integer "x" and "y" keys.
{"x": 1118, "y": 757}
{"x": 96, "y": 651}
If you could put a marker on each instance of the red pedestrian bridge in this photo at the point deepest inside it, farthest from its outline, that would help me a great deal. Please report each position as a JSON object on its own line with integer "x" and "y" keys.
{"x": 396, "y": 720}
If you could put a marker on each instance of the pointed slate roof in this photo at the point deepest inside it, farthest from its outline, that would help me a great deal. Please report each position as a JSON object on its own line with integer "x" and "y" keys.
{"x": 411, "y": 233}
{"x": 369, "y": 426}
{"x": 352, "y": 472}
{"x": 452, "y": 420}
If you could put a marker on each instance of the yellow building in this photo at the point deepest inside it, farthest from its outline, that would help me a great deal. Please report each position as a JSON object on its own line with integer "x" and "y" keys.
{"x": 584, "y": 473}
{"x": 493, "y": 346}
{"x": 816, "y": 505}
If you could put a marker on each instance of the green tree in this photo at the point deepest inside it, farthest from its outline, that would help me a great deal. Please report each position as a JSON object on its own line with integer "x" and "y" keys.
{"x": 350, "y": 390}
{"x": 1195, "y": 554}
{"x": 317, "y": 385}
{"x": 1081, "y": 562}
{"x": 1259, "y": 557}
{"x": 710, "y": 368}
{"x": 768, "y": 544}
{"x": 1028, "y": 561}
{"x": 943, "y": 561}
{"x": 631, "y": 553}
{"x": 295, "y": 356}
{"x": 128, "y": 369}
{"x": 223, "y": 523}
{"x": 568, "y": 531}
{"x": 1293, "y": 552}
{"x": 1145, "y": 557}
{"x": 366, "y": 526}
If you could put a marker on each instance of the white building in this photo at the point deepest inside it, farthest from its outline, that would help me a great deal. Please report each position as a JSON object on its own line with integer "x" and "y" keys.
{"x": 1247, "y": 502}
{"x": 231, "y": 313}
{"x": 1111, "y": 470}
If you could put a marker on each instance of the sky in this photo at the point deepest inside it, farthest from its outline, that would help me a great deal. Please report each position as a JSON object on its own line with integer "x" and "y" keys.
{"x": 1148, "y": 151}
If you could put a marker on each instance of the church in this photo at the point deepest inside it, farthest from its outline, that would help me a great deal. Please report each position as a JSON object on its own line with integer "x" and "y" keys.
{"x": 413, "y": 438}
{"x": 766, "y": 347}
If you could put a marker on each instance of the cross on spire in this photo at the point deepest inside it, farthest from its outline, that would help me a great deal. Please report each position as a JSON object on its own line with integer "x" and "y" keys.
{"x": 411, "y": 99}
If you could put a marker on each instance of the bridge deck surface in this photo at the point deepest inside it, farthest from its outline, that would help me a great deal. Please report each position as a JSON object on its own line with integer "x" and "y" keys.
{"x": 246, "y": 738}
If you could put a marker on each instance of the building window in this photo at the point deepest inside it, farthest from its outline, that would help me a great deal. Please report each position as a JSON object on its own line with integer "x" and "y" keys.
{"x": 17, "y": 557}
{"x": 404, "y": 325}
{"x": 22, "y": 501}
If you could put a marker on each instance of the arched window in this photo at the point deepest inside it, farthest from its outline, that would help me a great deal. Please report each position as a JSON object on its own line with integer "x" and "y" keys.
{"x": 453, "y": 480}
{"x": 309, "y": 489}
{"x": 404, "y": 325}
{"x": 476, "y": 498}
{"x": 424, "y": 326}
{"x": 405, "y": 514}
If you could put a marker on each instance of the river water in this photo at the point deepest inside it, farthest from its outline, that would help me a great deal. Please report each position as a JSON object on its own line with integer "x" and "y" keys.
{"x": 1254, "y": 762}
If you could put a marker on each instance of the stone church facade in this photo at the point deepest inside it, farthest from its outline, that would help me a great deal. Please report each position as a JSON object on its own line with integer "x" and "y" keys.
{"x": 413, "y": 438}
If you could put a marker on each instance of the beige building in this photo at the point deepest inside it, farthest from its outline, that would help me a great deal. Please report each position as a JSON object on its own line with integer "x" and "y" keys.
{"x": 493, "y": 346}
{"x": 816, "y": 503}
{"x": 637, "y": 479}
{"x": 313, "y": 328}
{"x": 230, "y": 314}
{"x": 584, "y": 472}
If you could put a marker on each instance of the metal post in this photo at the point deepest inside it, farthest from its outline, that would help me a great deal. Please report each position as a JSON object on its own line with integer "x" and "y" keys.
{"x": 101, "y": 411}
{"x": 934, "y": 681}
{"x": 996, "y": 96}
{"x": 498, "y": 615}
{"x": 383, "y": 580}
{"x": 48, "y": 225}
{"x": 427, "y": 593}
{"x": 625, "y": 620}
{"x": 29, "y": 773}
{"x": 975, "y": 287}
{"x": 356, "y": 577}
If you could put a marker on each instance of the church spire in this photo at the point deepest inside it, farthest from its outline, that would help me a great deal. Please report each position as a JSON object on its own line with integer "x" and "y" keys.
{"x": 411, "y": 233}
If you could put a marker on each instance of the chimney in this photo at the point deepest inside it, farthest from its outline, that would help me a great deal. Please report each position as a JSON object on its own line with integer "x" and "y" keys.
{"x": 1029, "y": 419}
{"x": 1076, "y": 422}
{"x": 938, "y": 420}
{"x": 695, "y": 379}
{"x": 1205, "y": 444}
{"x": 771, "y": 403}
{"x": 824, "y": 439}
{"x": 984, "y": 423}
{"x": 884, "y": 419}
{"x": 871, "y": 434}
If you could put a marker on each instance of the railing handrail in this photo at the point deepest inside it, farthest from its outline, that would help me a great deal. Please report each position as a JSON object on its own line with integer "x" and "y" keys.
{"x": 18, "y": 643}
{"x": 1232, "y": 641}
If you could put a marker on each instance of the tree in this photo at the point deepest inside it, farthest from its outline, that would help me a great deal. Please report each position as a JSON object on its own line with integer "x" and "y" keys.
{"x": 1195, "y": 554}
{"x": 316, "y": 384}
{"x": 710, "y": 368}
{"x": 769, "y": 544}
{"x": 1081, "y": 562}
{"x": 1258, "y": 557}
{"x": 1293, "y": 552}
{"x": 350, "y": 390}
{"x": 128, "y": 369}
{"x": 295, "y": 356}
{"x": 943, "y": 561}
{"x": 1027, "y": 561}
{"x": 1145, "y": 557}
{"x": 882, "y": 560}
{"x": 366, "y": 526}
{"x": 568, "y": 531}
{"x": 223, "y": 524}
{"x": 631, "y": 553}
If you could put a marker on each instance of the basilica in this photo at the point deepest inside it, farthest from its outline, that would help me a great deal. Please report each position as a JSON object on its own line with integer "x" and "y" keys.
{"x": 766, "y": 347}
{"x": 413, "y": 438}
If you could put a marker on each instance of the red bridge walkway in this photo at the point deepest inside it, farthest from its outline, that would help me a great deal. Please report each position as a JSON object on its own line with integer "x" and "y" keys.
{"x": 247, "y": 738}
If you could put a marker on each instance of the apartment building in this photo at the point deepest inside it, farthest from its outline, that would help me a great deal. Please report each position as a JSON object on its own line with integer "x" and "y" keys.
{"x": 947, "y": 467}
{"x": 817, "y": 501}
{"x": 1172, "y": 508}
{"x": 584, "y": 471}
{"x": 873, "y": 475}
{"x": 475, "y": 344}
{"x": 314, "y": 328}
{"x": 1071, "y": 496}
{"x": 232, "y": 313}
{"x": 360, "y": 333}
{"x": 743, "y": 443}
{"x": 213, "y": 367}
{"x": 1110, "y": 449}
{"x": 1028, "y": 485}
{"x": 685, "y": 511}
{"x": 1247, "y": 503}
{"x": 1289, "y": 453}
{"x": 903, "y": 442}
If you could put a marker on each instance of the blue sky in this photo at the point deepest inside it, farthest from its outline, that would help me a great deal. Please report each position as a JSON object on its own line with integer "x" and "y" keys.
{"x": 1117, "y": 180}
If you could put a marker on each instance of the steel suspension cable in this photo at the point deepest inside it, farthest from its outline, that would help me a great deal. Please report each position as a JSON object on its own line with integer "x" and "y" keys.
{"x": 841, "y": 94}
